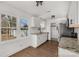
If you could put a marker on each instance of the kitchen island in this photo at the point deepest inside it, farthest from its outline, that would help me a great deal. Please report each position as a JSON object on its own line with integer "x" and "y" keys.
{"x": 38, "y": 39}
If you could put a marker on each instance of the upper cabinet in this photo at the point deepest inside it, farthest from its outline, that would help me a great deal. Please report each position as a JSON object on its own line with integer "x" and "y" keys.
{"x": 73, "y": 12}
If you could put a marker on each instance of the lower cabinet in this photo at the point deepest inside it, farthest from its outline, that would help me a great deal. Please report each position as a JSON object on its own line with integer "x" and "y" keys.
{"x": 38, "y": 39}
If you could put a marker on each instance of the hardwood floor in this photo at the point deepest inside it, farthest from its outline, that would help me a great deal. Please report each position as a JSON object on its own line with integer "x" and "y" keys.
{"x": 48, "y": 49}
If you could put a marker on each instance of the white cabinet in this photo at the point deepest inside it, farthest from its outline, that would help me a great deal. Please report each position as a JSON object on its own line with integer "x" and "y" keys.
{"x": 38, "y": 39}
{"x": 73, "y": 12}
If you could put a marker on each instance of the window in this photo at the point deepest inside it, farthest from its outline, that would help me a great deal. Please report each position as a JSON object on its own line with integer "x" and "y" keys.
{"x": 24, "y": 27}
{"x": 8, "y": 27}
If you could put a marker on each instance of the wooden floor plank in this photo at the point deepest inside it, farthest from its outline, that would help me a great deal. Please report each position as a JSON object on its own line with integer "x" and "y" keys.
{"x": 48, "y": 49}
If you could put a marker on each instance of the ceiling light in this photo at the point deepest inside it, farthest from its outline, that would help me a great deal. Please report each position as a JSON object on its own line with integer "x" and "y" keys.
{"x": 53, "y": 16}
{"x": 39, "y": 3}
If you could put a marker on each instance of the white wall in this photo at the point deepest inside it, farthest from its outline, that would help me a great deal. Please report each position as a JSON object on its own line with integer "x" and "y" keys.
{"x": 10, "y": 47}
{"x": 36, "y": 22}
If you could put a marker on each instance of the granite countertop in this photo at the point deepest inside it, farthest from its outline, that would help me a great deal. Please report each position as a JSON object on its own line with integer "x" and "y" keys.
{"x": 39, "y": 33}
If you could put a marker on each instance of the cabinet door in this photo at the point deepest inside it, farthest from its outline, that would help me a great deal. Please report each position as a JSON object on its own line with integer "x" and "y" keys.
{"x": 73, "y": 12}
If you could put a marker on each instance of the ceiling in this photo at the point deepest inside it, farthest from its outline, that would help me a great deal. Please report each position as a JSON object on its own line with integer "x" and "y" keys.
{"x": 58, "y": 8}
